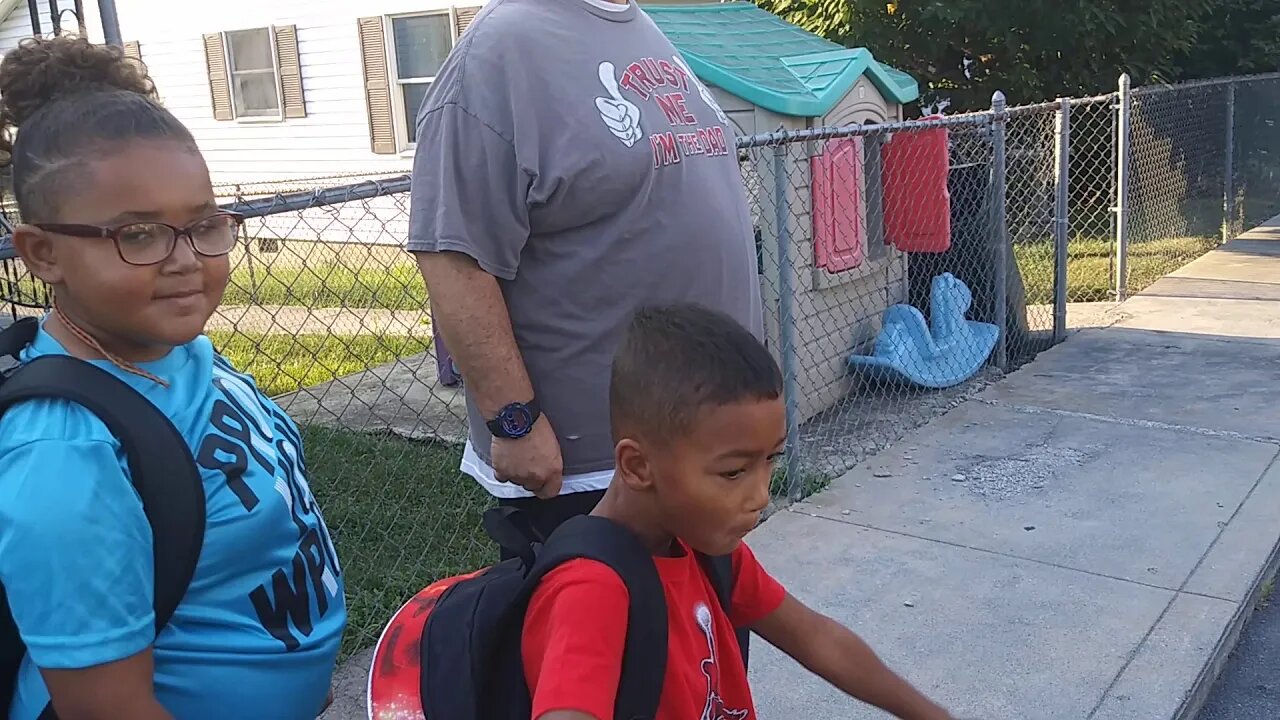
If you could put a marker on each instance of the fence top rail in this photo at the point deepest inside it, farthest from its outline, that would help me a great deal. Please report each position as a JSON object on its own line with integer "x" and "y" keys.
{"x": 784, "y": 137}
{"x": 308, "y": 199}
{"x": 1208, "y": 82}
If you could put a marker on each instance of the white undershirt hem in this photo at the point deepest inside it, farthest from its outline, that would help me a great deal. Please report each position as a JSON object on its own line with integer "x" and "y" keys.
{"x": 473, "y": 465}
{"x": 609, "y": 5}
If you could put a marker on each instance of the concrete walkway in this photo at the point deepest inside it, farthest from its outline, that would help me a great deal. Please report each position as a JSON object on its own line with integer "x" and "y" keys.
{"x": 1084, "y": 539}
{"x": 296, "y": 320}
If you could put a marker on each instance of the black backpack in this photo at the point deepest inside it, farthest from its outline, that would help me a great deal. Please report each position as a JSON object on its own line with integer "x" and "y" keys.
{"x": 471, "y": 667}
{"x": 160, "y": 464}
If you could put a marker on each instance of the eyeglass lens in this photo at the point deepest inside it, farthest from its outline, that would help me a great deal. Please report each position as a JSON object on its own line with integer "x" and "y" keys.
{"x": 145, "y": 243}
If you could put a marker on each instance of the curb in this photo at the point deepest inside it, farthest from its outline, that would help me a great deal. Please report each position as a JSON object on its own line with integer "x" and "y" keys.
{"x": 1198, "y": 695}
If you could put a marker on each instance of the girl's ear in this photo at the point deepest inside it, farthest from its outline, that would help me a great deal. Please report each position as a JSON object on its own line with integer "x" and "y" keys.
{"x": 39, "y": 251}
{"x": 633, "y": 468}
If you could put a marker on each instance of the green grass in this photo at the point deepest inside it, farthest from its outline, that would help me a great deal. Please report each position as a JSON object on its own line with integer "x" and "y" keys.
{"x": 402, "y": 517}
{"x": 1090, "y": 270}
{"x": 284, "y": 363}
{"x": 809, "y": 483}
{"x": 329, "y": 285}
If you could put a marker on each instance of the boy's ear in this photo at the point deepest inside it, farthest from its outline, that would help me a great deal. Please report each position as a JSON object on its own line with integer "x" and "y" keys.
{"x": 38, "y": 253}
{"x": 633, "y": 466}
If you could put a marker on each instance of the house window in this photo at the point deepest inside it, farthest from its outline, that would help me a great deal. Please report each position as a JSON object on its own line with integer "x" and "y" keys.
{"x": 255, "y": 79}
{"x": 254, "y": 74}
{"x": 419, "y": 46}
{"x": 400, "y": 56}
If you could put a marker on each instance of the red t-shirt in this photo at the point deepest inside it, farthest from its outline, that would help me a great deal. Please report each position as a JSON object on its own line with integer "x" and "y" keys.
{"x": 576, "y": 628}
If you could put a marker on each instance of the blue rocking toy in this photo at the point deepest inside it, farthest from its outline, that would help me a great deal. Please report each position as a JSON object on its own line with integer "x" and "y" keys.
{"x": 946, "y": 352}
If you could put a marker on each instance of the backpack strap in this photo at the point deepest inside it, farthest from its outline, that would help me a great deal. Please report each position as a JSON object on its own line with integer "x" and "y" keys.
{"x": 161, "y": 466}
{"x": 644, "y": 657}
{"x": 719, "y": 569}
{"x": 15, "y": 338}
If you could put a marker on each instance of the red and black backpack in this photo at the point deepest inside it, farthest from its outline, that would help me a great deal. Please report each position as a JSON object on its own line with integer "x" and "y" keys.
{"x": 453, "y": 651}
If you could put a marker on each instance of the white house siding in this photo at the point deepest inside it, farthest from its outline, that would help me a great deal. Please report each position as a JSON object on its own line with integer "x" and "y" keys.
{"x": 333, "y": 139}
{"x": 330, "y": 146}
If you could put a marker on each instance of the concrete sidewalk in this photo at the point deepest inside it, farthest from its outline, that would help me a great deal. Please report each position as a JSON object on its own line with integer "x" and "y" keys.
{"x": 1084, "y": 539}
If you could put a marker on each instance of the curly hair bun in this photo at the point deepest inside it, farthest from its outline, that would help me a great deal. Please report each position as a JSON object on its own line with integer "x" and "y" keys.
{"x": 40, "y": 71}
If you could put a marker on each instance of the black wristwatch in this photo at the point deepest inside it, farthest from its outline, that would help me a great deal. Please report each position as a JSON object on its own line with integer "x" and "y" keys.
{"x": 515, "y": 420}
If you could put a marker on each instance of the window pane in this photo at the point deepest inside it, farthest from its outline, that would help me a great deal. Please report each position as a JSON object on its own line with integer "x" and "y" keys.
{"x": 255, "y": 94}
{"x": 413, "y": 95}
{"x": 250, "y": 49}
{"x": 422, "y": 42}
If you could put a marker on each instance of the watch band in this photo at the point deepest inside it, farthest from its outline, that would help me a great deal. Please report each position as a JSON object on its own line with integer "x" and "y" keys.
{"x": 515, "y": 420}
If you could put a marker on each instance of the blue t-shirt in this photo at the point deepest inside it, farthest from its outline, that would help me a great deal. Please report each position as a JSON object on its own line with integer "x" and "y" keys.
{"x": 257, "y": 634}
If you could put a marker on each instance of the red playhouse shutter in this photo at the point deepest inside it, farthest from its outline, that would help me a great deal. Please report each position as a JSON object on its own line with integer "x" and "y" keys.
{"x": 838, "y": 233}
{"x": 917, "y": 204}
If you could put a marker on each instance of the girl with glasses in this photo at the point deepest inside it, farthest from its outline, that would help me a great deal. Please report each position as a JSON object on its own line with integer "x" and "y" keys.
{"x": 120, "y": 220}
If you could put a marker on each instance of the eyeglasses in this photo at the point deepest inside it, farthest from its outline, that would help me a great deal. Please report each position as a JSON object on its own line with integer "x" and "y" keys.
{"x": 149, "y": 243}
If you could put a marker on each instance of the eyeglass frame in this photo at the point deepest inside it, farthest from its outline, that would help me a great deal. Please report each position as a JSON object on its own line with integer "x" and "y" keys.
{"x": 112, "y": 233}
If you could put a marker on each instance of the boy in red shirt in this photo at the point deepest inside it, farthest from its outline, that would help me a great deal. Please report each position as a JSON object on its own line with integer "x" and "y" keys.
{"x": 698, "y": 422}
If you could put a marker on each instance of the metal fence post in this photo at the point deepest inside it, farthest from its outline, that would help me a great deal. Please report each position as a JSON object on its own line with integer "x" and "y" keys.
{"x": 1123, "y": 151}
{"x": 110, "y": 22}
{"x": 1061, "y": 216}
{"x": 999, "y": 228}
{"x": 1228, "y": 185}
{"x": 33, "y": 10}
{"x": 248, "y": 253}
{"x": 786, "y": 321}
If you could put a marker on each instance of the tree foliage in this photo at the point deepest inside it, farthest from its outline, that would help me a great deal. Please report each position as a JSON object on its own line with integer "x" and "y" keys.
{"x": 1236, "y": 37}
{"x": 1035, "y": 50}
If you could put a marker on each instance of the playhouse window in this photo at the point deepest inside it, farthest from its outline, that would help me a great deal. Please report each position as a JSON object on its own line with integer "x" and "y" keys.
{"x": 420, "y": 44}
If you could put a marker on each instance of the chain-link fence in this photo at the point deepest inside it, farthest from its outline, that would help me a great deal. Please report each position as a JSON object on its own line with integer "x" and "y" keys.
{"x": 903, "y": 266}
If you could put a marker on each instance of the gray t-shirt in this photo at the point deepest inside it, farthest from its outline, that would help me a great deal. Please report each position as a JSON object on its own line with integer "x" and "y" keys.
{"x": 571, "y": 152}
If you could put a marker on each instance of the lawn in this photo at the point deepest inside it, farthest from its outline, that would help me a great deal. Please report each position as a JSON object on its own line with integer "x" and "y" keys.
{"x": 1090, "y": 269}
{"x": 284, "y": 363}
{"x": 402, "y": 517}
{"x": 395, "y": 287}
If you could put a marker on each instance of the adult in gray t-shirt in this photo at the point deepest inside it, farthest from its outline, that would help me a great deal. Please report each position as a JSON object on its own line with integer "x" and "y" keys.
{"x": 570, "y": 168}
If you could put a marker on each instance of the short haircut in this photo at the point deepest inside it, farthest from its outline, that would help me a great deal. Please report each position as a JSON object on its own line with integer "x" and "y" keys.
{"x": 676, "y": 360}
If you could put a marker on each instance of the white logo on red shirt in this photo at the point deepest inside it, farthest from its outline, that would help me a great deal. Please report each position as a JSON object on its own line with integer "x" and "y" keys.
{"x": 714, "y": 708}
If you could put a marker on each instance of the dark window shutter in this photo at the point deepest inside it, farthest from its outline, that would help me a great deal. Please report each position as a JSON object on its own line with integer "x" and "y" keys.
{"x": 215, "y": 58}
{"x": 294, "y": 104}
{"x": 463, "y": 17}
{"x": 377, "y": 85}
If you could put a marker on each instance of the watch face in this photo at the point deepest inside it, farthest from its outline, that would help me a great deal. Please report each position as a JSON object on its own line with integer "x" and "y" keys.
{"x": 516, "y": 420}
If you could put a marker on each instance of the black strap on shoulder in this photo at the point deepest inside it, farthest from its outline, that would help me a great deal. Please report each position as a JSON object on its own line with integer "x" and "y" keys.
{"x": 160, "y": 463}
{"x": 719, "y": 569}
{"x": 644, "y": 659}
{"x": 18, "y": 336}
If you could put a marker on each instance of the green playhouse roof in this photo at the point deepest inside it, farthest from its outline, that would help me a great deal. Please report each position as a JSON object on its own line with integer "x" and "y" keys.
{"x": 766, "y": 60}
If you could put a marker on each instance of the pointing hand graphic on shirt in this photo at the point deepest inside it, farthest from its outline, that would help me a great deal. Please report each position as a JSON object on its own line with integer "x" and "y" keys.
{"x": 620, "y": 116}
